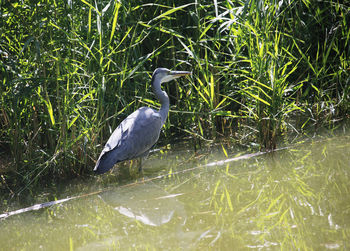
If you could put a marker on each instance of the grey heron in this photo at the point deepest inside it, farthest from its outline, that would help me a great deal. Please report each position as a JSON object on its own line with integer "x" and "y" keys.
{"x": 136, "y": 134}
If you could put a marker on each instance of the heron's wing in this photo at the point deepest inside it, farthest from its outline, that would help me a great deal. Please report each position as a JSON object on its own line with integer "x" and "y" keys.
{"x": 119, "y": 133}
{"x": 144, "y": 133}
{"x": 135, "y": 135}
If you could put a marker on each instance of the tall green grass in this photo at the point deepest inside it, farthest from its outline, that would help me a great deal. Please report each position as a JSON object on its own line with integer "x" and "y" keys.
{"x": 71, "y": 71}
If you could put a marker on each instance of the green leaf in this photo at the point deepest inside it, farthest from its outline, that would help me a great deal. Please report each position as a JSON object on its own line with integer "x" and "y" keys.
{"x": 115, "y": 18}
{"x": 172, "y": 10}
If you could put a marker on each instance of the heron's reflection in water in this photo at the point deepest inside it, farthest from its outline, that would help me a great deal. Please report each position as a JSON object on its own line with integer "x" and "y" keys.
{"x": 147, "y": 203}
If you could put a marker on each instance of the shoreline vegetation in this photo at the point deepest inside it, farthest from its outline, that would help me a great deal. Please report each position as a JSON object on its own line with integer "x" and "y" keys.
{"x": 264, "y": 72}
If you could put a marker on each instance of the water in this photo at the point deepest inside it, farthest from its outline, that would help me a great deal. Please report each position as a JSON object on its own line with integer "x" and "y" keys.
{"x": 296, "y": 198}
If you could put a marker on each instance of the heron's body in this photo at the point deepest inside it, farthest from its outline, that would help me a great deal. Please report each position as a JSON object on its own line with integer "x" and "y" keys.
{"x": 125, "y": 143}
{"x": 136, "y": 134}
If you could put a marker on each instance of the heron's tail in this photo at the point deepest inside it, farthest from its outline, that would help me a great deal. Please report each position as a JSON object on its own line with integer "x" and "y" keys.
{"x": 104, "y": 163}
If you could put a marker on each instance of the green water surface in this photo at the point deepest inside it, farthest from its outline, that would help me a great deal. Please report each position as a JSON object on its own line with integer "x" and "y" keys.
{"x": 297, "y": 198}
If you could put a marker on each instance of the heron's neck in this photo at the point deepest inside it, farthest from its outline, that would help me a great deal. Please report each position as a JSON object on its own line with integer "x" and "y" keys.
{"x": 163, "y": 98}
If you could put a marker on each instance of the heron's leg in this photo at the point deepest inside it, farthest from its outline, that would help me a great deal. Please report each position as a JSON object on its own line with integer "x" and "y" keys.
{"x": 142, "y": 157}
{"x": 140, "y": 164}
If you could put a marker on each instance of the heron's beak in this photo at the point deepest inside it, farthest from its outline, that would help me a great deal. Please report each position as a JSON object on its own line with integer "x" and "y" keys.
{"x": 176, "y": 74}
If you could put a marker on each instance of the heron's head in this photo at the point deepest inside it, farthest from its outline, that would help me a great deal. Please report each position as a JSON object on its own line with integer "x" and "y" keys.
{"x": 165, "y": 75}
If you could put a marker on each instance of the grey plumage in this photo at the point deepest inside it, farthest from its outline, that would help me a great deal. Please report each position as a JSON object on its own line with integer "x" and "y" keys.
{"x": 136, "y": 134}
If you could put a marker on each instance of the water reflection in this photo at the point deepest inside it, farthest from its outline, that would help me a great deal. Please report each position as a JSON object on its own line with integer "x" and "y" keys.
{"x": 295, "y": 199}
{"x": 147, "y": 203}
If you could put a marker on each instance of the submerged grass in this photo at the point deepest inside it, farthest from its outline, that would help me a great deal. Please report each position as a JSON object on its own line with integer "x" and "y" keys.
{"x": 282, "y": 202}
{"x": 71, "y": 71}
